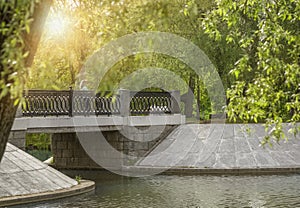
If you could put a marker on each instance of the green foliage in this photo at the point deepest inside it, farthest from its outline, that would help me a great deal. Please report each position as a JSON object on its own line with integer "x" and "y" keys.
{"x": 15, "y": 20}
{"x": 38, "y": 141}
{"x": 78, "y": 179}
{"x": 152, "y": 63}
{"x": 267, "y": 74}
{"x": 38, "y": 145}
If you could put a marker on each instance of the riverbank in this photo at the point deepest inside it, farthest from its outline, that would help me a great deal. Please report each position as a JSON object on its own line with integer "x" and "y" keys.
{"x": 25, "y": 179}
{"x": 224, "y": 148}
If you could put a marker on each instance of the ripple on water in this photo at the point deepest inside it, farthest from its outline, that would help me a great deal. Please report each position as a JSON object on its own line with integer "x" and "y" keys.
{"x": 189, "y": 191}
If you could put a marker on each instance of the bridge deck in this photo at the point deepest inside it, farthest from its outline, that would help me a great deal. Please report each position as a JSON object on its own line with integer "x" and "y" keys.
{"x": 91, "y": 123}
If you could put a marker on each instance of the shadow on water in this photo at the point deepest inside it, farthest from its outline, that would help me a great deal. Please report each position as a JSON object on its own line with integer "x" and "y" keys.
{"x": 184, "y": 191}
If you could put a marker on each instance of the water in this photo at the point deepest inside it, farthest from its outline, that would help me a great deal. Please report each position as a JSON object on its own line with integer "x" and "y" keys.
{"x": 188, "y": 191}
{"x": 42, "y": 155}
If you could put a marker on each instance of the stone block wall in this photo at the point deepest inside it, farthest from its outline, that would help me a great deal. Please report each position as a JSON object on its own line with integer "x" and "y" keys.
{"x": 68, "y": 152}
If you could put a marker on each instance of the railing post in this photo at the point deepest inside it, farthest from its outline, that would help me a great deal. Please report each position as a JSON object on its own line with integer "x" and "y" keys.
{"x": 19, "y": 112}
{"x": 124, "y": 102}
{"x": 71, "y": 102}
{"x": 175, "y": 101}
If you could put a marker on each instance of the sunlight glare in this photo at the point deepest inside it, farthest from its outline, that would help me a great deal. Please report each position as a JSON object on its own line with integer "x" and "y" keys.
{"x": 56, "y": 25}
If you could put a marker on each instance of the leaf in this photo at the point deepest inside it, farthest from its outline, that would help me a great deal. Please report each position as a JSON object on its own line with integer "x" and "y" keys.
{"x": 27, "y": 28}
{"x": 236, "y": 73}
{"x": 4, "y": 92}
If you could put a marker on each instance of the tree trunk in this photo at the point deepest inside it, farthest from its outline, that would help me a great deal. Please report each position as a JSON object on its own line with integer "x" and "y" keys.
{"x": 7, "y": 106}
{"x": 36, "y": 29}
{"x": 7, "y": 115}
{"x": 198, "y": 98}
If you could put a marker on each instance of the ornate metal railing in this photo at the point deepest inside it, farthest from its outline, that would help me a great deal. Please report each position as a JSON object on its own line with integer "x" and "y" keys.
{"x": 88, "y": 103}
{"x": 74, "y": 103}
{"x": 150, "y": 102}
{"x": 47, "y": 102}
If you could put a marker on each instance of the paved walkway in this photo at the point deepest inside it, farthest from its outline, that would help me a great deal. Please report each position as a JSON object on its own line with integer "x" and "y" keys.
{"x": 24, "y": 179}
{"x": 219, "y": 146}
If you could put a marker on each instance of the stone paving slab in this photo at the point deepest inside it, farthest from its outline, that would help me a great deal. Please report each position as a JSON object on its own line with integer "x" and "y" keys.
{"x": 22, "y": 174}
{"x": 223, "y": 146}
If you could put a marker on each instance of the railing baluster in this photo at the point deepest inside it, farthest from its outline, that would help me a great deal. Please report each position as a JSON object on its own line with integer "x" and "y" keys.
{"x": 71, "y": 102}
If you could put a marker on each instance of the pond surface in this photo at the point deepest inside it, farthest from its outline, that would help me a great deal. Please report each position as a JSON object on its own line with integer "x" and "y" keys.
{"x": 187, "y": 191}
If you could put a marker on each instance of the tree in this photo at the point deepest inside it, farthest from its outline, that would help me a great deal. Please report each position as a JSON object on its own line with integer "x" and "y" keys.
{"x": 182, "y": 17}
{"x": 20, "y": 32}
{"x": 267, "y": 74}
{"x": 70, "y": 36}
{"x": 59, "y": 54}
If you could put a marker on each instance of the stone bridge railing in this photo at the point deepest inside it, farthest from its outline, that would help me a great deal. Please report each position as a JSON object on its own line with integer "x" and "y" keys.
{"x": 75, "y": 103}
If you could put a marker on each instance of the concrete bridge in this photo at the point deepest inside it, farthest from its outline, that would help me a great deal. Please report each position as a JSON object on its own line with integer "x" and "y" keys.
{"x": 147, "y": 116}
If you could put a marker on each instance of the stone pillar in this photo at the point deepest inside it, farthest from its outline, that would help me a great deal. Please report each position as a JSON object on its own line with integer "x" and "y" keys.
{"x": 187, "y": 98}
{"x": 19, "y": 112}
{"x": 175, "y": 101}
{"x": 124, "y": 102}
{"x": 17, "y": 138}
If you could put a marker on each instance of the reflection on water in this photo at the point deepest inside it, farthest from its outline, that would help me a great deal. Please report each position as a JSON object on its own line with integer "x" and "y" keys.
{"x": 188, "y": 191}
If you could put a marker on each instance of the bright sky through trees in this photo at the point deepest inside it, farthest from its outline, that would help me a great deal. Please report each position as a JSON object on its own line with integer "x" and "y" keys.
{"x": 57, "y": 24}
{"x": 59, "y": 20}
